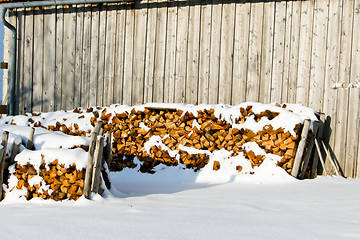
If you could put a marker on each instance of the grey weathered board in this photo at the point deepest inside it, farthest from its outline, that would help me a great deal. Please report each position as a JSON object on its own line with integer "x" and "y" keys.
{"x": 194, "y": 52}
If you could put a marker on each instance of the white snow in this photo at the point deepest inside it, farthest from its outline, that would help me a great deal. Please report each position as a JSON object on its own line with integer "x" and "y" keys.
{"x": 177, "y": 203}
{"x": 338, "y": 85}
{"x": 326, "y": 208}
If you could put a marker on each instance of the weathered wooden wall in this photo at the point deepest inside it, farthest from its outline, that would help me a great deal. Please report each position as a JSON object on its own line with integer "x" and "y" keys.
{"x": 196, "y": 52}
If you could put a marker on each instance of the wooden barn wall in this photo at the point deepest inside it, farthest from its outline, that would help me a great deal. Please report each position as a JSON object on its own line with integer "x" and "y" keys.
{"x": 207, "y": 51}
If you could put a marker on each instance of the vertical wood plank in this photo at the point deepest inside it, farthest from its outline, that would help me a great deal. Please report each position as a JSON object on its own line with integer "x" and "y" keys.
{"x": 38, "y": 60}
{"x": 79, "y": 41}
{"x": 353, "y": 122}
{"x": 332, "y": 68}
{"x": 287, "y": 49}
{"x": 278, "y": 54}
{"x": 204, "y": 58}
{"x": 49, "y": 59}
{"x": 353, "y": 111}
{"x": 318, "y": 58}
{"x": 181, "y": 53}
{"x": 161, "y": 51}
{"x": 344, "y": 77}
{"x": 12, "y": 18}
{"x": 304, "y": 52}
{"x": 254, "y": 55}
{"x": 109, "y": 72}
{"x": 19, "y": 105}
{"x": 192, "y": 72}
{"x": 170, "y": 60}
{"x": 241, "y": 43}
{"x": 267, "y": 52}
{"x": 128, "y": 56}
{"x": 215, "y": 52}
{"x": 94, "y": 51}
{"x": 226, "y": 53}
{"x": 119, "y": 56}
{"x": 86, "y": 57}
{"x": 140, "y": 25}
{"x": 294, "y": 51}
{"x": 150, "y": 50}
{"x": 101, "y": 57}
{"x": 59, "y": 56}
{"x": 68, "y": 80}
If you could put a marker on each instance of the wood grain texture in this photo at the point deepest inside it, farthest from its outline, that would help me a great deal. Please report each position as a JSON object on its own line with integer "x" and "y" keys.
{"x": 240, "y": 62}
{"x": 278, "y": 54}
{"x": 194, "y": 52}
{"x": 204, "y": 53}
{"x": 38, "y": 80}
{"x": 215, "y": 52}
{"x": 267, "y": 52}
{"x": 170, "y": 55}
{"x": 192, "y": 67}
{"x": 68, "y": 74}
{"x": 254, "y": 54}
{"x": 344, "y": 77}
{"x": 140, "y": 27}
{"x": 78, "y": 55}
{"x": 226, "y": 53}
{"x": 160, "y": 61}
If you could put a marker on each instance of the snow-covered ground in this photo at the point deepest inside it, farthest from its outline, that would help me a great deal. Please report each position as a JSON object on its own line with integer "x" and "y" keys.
{"x": 324, "y": 208}
{"x": 174, "y": 203}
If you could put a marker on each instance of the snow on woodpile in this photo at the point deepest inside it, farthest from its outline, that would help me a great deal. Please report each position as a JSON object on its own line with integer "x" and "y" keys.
{"x": 53, "y": 169}
{"x": 48, "y": 174}
{"x": 221, "y": 141}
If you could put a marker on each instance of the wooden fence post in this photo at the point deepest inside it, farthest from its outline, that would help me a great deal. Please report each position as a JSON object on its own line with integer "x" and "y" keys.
{"x": 89, "y": 166}
{"x": 97, "y": 164}
{"x": 2, "y": 160}
{"x": 30, "y": 143}
{"x": 300, "y": 149}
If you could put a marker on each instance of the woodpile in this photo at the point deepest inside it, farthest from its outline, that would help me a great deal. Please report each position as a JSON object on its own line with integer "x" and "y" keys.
{"x": 59, "y": 183}
{"x": 132, "y": 130}
{"x": 177, "y": 129}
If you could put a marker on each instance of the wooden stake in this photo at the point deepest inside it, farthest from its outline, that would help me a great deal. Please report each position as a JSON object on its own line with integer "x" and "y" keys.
{"x": 15, "y": 150}
{"x": 300, "y": 149}
{"x": 2, "y": 160}
{"x": 309, "y": 151}
{"x": 97, "y": 164}
{"x": 101, "y": 132}
{"x": 331, "y": 159}
{"x": 320, "y": 155}
{"x": 30, "y": 143}
{"x": 97, "y": 128}
{"x": 89, "y": 166}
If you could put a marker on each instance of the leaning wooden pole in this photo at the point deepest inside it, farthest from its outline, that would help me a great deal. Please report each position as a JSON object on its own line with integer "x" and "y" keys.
{"x": 97, "y": 164}
{"x": 2, "y": 160}
{"x": 89, "y": 166}
{"x": 300, "y": 149}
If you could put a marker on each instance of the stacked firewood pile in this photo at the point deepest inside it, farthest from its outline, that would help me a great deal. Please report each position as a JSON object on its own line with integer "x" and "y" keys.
{"x": 176, "y": 128}
{"x": 58, "y": 183}
{"x": 179, "y": 130}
